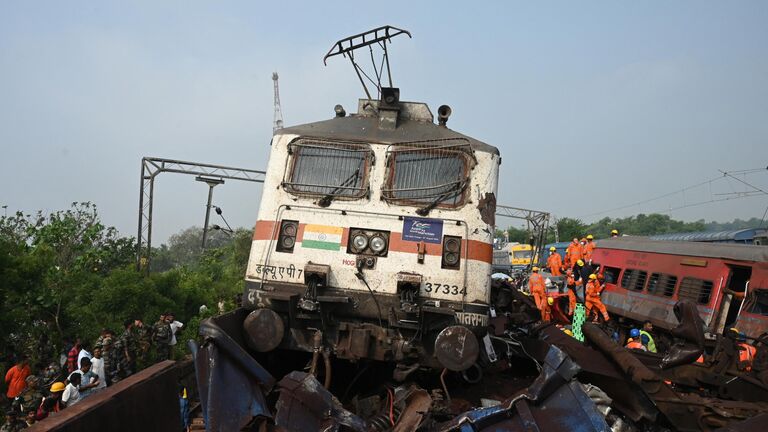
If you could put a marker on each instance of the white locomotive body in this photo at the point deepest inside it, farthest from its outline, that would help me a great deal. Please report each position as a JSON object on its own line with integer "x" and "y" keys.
{"x": 374, "y": 235}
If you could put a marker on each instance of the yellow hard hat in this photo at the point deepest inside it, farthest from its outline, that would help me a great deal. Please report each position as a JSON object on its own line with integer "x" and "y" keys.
{"x": 580, "y": 262}
{"x": 553, "y": 248}
{"x": 568, "y": 332}
{"x": 57, "y": 387}
{"x": 589, "y": 237}
{"x": 592, "y": 276}
{"x": 535, "y": 269}
{"x": 614, "y": 231}
{"x": 550, "y": 301}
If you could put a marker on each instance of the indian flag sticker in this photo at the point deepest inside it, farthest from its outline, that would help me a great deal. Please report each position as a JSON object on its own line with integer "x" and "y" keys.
{"x": 322, "y": 237}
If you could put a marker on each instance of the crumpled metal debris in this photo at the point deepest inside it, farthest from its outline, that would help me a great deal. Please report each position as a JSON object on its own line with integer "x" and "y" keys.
{"x": 304, "y": 405}
{"x": 555, "y": 401}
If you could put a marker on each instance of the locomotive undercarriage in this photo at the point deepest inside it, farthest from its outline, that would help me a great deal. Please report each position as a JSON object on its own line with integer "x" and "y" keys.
{"x": 355, "y": 325}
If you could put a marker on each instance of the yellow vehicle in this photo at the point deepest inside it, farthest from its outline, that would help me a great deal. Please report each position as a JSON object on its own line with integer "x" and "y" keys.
{"x": 520, "y": 255}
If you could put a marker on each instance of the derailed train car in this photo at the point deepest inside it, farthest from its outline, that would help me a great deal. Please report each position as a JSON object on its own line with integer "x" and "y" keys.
{"x": 374, "y": 238}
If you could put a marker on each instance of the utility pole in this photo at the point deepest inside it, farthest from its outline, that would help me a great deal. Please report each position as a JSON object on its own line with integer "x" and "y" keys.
{"x": 212, "y": 183}
{"x": 278, "y": 118}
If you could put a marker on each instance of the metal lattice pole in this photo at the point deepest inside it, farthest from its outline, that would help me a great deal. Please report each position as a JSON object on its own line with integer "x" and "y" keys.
{"x": 278, "y": 118}
{"x": 151, "y": 168}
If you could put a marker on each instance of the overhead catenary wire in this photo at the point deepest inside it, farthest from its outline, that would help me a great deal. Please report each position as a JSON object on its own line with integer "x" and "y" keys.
{"x": 725, "y": 176}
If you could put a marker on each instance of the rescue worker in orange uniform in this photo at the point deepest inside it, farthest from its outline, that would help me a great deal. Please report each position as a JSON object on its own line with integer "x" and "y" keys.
{"x": 538, "y": 289}
{"x": 592, "y": 300}
{"x": 546, "y": 313}
{"x": 746, "y": 352}
{"x": 589, "y": 248}
{"x": 554, "y": 262}
{"x": 570, "y": 286}
{"x": 634, "y": 340}
{"x": 572, "y": 253}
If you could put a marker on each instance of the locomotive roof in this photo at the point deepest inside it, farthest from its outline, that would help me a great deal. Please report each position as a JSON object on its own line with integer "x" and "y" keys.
{"x": 738, "y": 252}
{"x": 415, "y": 123}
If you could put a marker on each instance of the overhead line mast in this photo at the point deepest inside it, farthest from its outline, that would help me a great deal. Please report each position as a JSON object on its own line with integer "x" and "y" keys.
{"x": 278, "y": 117}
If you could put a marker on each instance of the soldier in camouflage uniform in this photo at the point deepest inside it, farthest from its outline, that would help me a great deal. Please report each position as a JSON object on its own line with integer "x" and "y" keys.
{"x": 162, "y": 336}
{"x": 143, "y": 336}
{"x": 126, "y": 348}
{"x": 108, "y": 353}
{"x": 30, "y": 398}
{"x": 12, "y": 422}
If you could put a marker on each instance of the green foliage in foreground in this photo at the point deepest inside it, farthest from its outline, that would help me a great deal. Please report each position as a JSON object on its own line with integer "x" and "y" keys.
{"x": 67, "y": 275}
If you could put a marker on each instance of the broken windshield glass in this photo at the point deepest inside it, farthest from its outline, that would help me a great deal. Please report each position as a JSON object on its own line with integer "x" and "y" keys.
{"x": 328, "y": 169}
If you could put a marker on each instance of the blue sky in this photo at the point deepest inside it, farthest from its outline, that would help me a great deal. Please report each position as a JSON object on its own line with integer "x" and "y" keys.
{"x": 594, "y": 105}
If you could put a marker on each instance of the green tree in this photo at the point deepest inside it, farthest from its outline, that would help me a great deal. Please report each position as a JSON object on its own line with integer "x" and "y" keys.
{"x": 568, "y": 228}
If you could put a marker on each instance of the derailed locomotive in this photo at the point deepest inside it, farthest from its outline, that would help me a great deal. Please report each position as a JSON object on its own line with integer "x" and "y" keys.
{"x": 375, "y": 230}
{"x": 374, "y": 238}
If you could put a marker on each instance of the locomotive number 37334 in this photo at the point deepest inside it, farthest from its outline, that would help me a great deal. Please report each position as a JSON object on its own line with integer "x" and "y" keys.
{"x": 439, "y": 288}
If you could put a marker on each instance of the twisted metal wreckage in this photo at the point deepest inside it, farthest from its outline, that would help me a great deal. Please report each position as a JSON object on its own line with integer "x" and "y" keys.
{"x": 529, "y": 376}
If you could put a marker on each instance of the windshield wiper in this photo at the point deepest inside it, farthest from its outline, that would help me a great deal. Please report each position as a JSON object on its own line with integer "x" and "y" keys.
{"x": 453, "y": 191}
{"x": 326, "y": 200}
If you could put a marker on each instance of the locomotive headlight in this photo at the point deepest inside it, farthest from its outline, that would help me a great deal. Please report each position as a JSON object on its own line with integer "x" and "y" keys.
{"x": 378, "y": 244}
{"x": 360, "y": 242}
{"x": 451, "y": 258}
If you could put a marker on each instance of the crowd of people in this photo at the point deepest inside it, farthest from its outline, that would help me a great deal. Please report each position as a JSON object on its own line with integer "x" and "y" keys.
{"x": 580, "y": 274}
{"x": 84, "y": 369}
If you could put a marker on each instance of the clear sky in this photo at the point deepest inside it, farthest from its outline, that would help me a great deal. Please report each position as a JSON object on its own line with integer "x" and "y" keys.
{"x": 594, "y": 105}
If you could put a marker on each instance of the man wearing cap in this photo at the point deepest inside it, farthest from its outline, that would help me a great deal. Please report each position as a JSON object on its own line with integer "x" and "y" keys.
{"x": 589, "y": 249}
{"x": 593, "y": 300}
{"x": 12, "y": 422}
{"x": 52, "y": 402}
{"x": 30, "y": 398}
{"x": 162, "y": 334}
{"x": 572, "y": 253}
{"x": 554, "y": 262}
{"x": 614, "y": 233}
{"x": 538, "y": 290}
{"x": 108, "y": 354}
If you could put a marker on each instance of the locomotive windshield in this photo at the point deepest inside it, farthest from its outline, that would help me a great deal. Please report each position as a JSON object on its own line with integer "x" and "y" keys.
{"x": 428, "y": 175}
{"x": 328, "y": 169}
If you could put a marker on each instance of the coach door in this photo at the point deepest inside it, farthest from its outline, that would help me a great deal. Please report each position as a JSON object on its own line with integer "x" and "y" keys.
{"x": 731, "y": 305}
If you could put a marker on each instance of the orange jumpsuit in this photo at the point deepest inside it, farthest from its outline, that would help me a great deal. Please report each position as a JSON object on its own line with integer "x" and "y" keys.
{"x": 539, "y": 291}
{"x": 635, "y": 344}
{"x": 572, "y": 254}
{"x": 588, "y": 249}
{"x": 746, "y": 356}
{"x": 593, "y": 299}
{"x": 546, "y": 312}
{"x": 570, "y": 282}
{"x": 554, "y": 262}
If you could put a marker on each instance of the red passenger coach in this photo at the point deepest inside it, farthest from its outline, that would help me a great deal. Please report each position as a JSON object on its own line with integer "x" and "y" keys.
{"x": 645, "y": 278}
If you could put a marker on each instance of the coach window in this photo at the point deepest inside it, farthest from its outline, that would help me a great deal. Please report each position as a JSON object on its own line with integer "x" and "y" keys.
{"x": 662, "y": 284}
{"x": 634, "y": 279}
{"x": 697, "y": 290}
{"x": 328, "y": 170}
{"x": 761, "y": 302}
{"x": 611, "y": 274}
{"x": 428, "y": 176}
